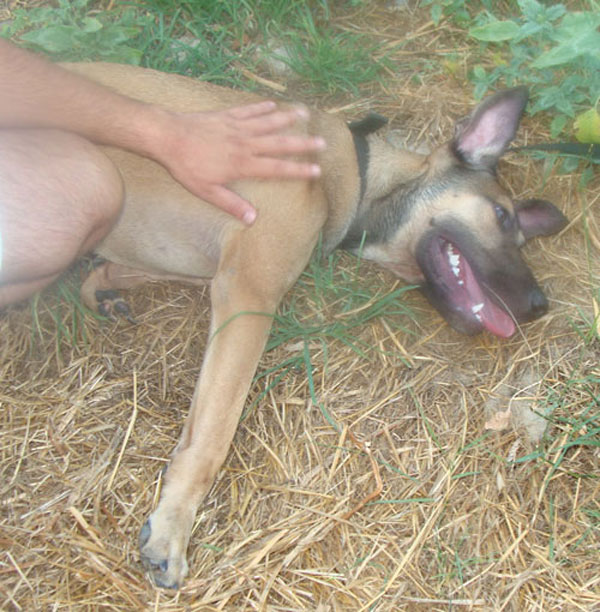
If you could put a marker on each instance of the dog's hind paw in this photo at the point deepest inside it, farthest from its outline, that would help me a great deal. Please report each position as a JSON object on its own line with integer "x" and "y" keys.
{"x": 112, "y": 305}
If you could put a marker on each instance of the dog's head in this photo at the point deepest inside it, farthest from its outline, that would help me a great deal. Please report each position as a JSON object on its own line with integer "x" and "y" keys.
{"x": 454, "y": 230}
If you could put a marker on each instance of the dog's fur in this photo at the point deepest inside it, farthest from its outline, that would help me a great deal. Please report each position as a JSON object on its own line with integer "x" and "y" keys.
{"x": 441, "y": 220}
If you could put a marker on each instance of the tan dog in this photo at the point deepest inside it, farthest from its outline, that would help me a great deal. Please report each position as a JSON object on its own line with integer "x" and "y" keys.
{"x": 440, "y": 220}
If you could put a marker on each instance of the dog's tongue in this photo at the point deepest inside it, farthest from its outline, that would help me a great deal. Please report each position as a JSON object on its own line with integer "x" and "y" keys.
{"x": 492, "y": 317}
{"x": 496, "y": 321}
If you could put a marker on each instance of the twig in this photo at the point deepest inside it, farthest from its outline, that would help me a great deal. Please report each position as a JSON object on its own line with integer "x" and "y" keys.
{"x": 366, "y": 448}
{"x": 127, "y": 433}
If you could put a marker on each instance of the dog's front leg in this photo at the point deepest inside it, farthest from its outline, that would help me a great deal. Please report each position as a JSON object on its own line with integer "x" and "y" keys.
{"x": 245, "y": 293}
{"x": 227, "y": 372}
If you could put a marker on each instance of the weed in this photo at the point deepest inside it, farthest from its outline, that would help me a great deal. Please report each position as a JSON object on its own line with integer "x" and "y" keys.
{"x": 550, "y": 49}
{"x": 62, "y": 304}
{"x": 201, "y": 38}
{"x": 74, "y": 31}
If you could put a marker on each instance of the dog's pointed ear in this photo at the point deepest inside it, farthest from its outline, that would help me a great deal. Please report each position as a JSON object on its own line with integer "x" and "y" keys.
{"x": 481, "y": 138}
{"x": 539, "y": 218}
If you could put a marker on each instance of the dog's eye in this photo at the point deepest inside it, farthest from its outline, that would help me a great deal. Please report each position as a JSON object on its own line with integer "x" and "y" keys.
{"x": 503, "y": 216}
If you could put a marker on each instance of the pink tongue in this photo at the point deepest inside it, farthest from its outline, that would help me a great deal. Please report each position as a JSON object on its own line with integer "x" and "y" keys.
{"x": 493, "y": 318}
{"x": 496, "y": 321}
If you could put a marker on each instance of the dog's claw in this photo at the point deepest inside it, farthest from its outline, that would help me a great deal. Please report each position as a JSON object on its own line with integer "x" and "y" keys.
{"x": 104, "y": 308}
{"x": 121, "y": 307}
{"x": 157, "y": 568}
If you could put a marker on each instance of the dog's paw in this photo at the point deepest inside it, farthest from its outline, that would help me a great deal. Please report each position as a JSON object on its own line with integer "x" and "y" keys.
{"x": 162, "y": 551}
{"x": 110, "y": 304}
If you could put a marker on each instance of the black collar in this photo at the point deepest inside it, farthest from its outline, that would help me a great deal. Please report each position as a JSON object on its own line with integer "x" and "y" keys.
{"x": 360, "y": 130}
{"x": 361, "y": 146}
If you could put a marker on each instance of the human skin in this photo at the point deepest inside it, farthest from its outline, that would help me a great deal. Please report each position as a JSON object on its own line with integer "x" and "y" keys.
{"x": 203, "y": 151}
{"x": 59, "y": 194}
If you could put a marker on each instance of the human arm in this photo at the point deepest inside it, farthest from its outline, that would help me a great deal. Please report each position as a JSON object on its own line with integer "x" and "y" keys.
{"x": 203, "y": 151}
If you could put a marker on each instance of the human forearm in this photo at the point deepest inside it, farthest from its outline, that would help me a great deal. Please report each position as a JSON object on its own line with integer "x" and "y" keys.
{"x": 38, "y": 93}
{"x": 204, "y": 151}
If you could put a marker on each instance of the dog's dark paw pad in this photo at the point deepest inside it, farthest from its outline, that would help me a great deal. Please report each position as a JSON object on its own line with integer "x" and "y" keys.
{"x": 163, "y": 565}
{"x": 145, "y": 533}
{"x": 105, "y": 311}
{"x": 122, "y": 308}
{"x": 159, "y": 582}
{"x": 110, "y": 303}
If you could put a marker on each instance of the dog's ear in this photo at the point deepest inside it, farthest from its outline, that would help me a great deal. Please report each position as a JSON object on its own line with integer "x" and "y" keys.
{"x": 539, "y": 218}
{"x": 481, "y": 138}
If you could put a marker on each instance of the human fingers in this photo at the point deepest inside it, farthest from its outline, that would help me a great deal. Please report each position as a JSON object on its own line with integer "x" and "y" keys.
{"x": 287, "y": 144}
{"x": 252, "y": 110}
{"x": 271, "y": 167}
{"x": 230, "y": 202}
{"x": 274, "y": 121}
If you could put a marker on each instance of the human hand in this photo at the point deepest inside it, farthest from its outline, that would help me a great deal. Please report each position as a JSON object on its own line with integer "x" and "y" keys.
{"x": 206, "y": 151}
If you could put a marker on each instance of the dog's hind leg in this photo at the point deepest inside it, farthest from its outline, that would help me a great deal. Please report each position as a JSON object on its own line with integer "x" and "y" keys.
{"x": 255, "y": 271}
{"x": 100, "y": 290}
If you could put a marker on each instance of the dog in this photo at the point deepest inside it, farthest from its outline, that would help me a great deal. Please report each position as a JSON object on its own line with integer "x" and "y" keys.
{"x": 440, "y": 220}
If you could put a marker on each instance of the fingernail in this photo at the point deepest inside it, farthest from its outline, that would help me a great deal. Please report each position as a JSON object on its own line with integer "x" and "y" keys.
{"x": 315, "y": 170}
{"x": 249, "y": 217}
{"x": 302, "y": 112}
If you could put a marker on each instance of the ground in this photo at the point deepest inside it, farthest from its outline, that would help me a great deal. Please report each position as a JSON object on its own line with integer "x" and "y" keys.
{"x": 473, "y": 512}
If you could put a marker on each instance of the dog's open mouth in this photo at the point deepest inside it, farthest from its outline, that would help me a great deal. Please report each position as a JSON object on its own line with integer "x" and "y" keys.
{"x": 457, "y": 286}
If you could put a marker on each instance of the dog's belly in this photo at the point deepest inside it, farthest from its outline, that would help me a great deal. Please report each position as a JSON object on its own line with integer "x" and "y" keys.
{"x": 180, "y": 248}
{"x": 164, "y": 229}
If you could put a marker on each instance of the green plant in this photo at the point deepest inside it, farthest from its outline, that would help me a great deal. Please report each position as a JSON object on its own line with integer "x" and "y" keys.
{"x": 552, "y": 50}
{"x": 326, "y": 59}
{"x": 548, "y": 47}
{"x": 217, "y": 41}
{"x": 456, "y": 10}
{"x": 74, "y": 31}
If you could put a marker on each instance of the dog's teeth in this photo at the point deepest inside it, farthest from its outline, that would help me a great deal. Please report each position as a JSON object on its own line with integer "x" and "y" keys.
{"x": 455, "y": 270}
{"x": 461, "y": 282}
{"x": 453, "y": 258}
{"x": 478, "y": 317}
{"x": 475, "y": 309}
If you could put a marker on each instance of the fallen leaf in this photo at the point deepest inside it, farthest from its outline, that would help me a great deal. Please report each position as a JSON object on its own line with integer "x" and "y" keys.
{"x": 499, "y": 421}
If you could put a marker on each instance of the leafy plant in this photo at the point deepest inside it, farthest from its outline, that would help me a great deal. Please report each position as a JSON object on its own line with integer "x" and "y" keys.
{"x": 456, "y": 10}
{"x": 549, "y": 48}
{"x": 74, "y": 31}
{"x": 552, "y": 50}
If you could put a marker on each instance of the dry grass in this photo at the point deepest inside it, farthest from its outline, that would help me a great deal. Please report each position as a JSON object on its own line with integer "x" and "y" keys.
{"x": 88, "y": 425}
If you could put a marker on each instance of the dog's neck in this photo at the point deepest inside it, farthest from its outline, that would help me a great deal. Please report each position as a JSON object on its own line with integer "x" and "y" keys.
{"x": 384, "y": 170}
{"x": 389, "y": 168}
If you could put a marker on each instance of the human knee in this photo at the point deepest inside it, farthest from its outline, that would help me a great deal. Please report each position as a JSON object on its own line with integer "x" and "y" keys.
{"x": 59, "y": 196}
{"x": 103, "y": 196}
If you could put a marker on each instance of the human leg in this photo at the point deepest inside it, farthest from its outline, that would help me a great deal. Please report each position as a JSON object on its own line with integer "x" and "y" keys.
{"x": 59, "y": 196}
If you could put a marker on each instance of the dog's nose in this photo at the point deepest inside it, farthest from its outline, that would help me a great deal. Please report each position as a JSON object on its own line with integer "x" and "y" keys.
{"x": 538, "y": 304}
